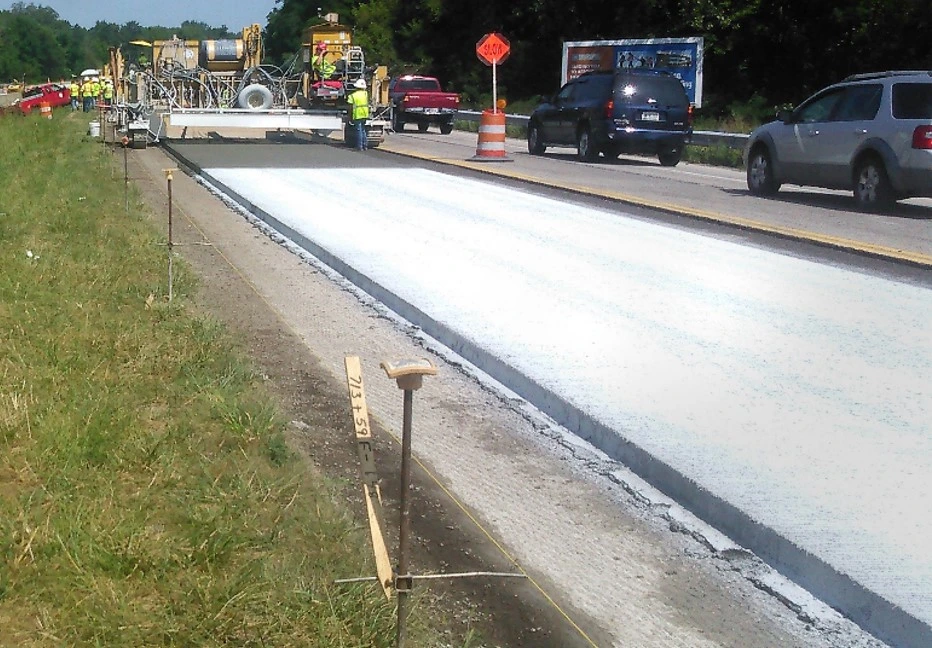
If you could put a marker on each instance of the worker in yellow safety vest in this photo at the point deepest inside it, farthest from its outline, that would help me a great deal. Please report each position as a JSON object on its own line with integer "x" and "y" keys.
{"x": 75, "y": 94}
{"x": 107, "y": 92}
{"x": 87, "y": 94}
{"x": 323, "y": 68}
{"x": 95, "y": 90}
{"x": 359, "y": 112}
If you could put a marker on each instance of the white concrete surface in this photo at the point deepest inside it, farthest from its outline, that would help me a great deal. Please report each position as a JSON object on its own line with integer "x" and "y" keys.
{"x": 799, "y": 392}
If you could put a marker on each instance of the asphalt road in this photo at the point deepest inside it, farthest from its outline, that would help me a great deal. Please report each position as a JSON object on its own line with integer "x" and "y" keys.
{"x": 702, "y": 192}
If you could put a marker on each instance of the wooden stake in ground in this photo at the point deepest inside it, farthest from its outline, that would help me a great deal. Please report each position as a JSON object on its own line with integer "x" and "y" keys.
{"x": 370, "y": 477}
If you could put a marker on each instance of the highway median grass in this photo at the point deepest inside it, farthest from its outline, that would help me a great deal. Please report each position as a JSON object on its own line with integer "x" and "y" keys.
{"x": 147, "y": 493}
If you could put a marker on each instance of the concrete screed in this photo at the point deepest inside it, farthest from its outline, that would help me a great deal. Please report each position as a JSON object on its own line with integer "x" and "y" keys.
{"x": 634, "y": 567}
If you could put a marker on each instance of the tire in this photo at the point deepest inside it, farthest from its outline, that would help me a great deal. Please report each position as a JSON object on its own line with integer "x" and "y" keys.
{"x": 670, "y": 158}
{"x": 534, "y": 144}
{"x": 446, "y": 129}
{"x": 422, "y": 127}
{"x": 872, "y": 189}
{"x": 761, "y": 181}
{"x": 255, "y": 97}
{"x": 585, "y": 152}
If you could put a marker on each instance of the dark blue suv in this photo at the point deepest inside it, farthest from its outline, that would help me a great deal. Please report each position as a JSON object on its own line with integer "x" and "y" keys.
{"x": 615, "y": 112}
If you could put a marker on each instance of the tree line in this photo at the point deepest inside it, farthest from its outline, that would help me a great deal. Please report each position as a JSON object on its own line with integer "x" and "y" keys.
{"x": 37, "y": 45}
{"x": 766, "y": 52}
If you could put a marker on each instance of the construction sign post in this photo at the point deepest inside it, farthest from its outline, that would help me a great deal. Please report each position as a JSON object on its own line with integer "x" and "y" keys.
{"x": 493, "y": 49}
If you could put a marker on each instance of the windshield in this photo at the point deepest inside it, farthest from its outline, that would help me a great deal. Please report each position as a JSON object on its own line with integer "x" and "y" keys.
{"x": 32, "y": 92}
{"x": 418, "y": 84}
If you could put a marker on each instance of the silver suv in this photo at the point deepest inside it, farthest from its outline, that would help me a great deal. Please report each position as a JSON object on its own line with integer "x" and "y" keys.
{"x": 871, "y": 133}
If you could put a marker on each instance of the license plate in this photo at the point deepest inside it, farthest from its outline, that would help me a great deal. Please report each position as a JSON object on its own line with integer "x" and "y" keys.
{"x": 433, "y": 110}
{"x": 650, "y": 116}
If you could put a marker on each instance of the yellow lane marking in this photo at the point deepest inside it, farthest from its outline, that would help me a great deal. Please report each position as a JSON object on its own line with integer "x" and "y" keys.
{"x": 828, "y": 240}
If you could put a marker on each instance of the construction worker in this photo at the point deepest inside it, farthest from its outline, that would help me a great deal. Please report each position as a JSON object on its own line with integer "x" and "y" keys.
{"x": 107, "y": 92}
{"x": 95, "y": 91}
{"x": 323, "y": 68}
{"x": 87, "y": 94}
{"x": 359, "y": 112}
{"x": 75, "y": 93}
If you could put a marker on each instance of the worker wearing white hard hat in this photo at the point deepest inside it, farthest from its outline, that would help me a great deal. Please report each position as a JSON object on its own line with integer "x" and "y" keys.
{"x": 359, "y": 112}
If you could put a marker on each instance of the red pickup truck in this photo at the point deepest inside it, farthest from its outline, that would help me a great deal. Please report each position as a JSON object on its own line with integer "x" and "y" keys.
{"x": 420, "y": 100}
{"x": 53, "y": 94}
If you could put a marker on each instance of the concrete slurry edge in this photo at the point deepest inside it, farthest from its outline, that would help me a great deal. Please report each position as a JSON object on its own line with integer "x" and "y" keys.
{"x": 866, "y": 608}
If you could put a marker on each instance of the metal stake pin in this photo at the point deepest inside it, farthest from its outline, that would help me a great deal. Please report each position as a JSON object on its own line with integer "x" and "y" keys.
{"x": 125, "y": 142}
{"x": 409, "y": 374}
{"x": 168, "y": 177}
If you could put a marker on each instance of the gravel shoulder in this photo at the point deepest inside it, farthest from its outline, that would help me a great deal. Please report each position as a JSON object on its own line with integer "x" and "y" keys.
{"x": 497, "y": 487}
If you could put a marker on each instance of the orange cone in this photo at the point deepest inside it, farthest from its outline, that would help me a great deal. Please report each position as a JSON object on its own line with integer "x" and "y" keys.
{"x": 45, "y": 110}
{"x": 491, "y": 147}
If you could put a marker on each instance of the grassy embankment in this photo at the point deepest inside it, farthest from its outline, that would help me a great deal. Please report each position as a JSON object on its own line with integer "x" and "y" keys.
{"x": 147, "y": 493}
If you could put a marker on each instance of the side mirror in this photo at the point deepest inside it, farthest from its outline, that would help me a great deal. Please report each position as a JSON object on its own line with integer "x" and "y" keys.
{"x": 785, "y": 116}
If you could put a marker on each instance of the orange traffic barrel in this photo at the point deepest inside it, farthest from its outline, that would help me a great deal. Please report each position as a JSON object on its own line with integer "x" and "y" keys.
{"x": 491, "y": 147}
{"x": 45, "y": 110}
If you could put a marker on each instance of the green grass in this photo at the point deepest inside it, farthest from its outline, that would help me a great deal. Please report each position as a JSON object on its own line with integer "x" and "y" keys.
{"x": 147, "y": 493}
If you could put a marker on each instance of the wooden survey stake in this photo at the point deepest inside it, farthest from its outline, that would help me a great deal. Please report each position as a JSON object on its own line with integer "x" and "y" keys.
{"x": 370, "y": 486}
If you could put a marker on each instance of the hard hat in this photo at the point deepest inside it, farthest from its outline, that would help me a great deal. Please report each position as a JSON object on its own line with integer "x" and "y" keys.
{"x": 360, "y": 83}
{"x": 321, "y": 46}
{"x": 96, "y": 78}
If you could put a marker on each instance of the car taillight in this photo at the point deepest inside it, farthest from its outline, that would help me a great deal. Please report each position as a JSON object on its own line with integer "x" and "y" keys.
{"x": 689, "y": 115}
{"x": 922, "y": 137}
{"x": 609, "y": 108}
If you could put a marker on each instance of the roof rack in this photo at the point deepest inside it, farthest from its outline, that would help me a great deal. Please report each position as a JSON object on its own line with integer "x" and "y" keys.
{"x": 888, "y": 73}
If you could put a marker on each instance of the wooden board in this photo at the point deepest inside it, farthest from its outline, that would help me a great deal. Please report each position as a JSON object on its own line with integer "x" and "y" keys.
{"x": 370, "y": 477}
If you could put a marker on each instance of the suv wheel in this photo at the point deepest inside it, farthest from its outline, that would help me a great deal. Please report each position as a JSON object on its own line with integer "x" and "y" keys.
{"x": 670, "y": 157}
{"x": 534, "y": 145}
{"x": 446, "y": 128}
{"x": 872, "y": 188}
{"x": 760, "y": 173}
{"x": 584, "y": 149}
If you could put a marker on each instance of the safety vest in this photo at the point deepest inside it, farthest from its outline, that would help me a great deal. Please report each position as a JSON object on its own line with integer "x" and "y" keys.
{"x": 95, "y": 88}
{"x": 359, "y": 100}
{"x": 86, "y": 90}
{"x": 323, "y": 67}
{"x": 108, "y": 92}
{"x": 75, "y": 91}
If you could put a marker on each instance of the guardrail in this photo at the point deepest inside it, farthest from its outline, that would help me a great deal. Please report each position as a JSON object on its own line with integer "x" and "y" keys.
{"x": 699, "y": 138}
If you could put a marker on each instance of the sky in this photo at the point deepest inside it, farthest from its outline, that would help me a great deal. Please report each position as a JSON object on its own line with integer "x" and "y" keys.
{"x": 235, "y": 14}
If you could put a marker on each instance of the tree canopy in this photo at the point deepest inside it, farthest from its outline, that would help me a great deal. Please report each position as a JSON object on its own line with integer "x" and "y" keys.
{"x": 776, "y": 51}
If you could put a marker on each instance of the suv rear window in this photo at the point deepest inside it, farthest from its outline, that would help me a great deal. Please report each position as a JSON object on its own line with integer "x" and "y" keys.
{"x": 643, "y": 90}
{"x": 912, "y": 100}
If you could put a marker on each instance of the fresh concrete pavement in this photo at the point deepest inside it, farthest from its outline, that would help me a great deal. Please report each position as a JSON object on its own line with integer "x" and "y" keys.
{"x": 878, "y": 244}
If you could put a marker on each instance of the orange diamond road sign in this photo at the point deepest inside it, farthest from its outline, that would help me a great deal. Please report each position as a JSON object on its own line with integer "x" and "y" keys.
{"x": 493, "y": 48}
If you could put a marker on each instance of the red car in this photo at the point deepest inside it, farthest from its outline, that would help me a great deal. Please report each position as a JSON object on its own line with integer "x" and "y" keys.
{"x": 54, "y": 94}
